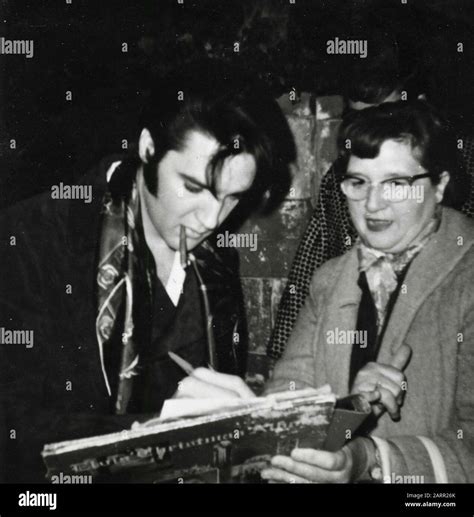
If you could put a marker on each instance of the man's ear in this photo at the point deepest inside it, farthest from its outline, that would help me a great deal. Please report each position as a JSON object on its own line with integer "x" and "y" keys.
{"x": 146, "y": 146}
{"x": 441, "y": 186}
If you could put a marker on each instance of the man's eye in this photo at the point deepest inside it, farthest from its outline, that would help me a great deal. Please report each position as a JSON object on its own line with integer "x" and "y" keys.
{"x": 192, "y": 188}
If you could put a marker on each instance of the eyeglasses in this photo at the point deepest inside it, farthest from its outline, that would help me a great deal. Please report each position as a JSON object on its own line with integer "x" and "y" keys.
{"x": 393, "y": 189}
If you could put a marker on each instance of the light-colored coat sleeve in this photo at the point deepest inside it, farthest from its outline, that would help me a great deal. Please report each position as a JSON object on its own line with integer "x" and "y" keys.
{"x": 295, "y": 369}
{"x": 455, "y": 443}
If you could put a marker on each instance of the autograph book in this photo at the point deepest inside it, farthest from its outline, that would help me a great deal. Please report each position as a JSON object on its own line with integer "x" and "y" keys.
{"x": 230, "y": 443}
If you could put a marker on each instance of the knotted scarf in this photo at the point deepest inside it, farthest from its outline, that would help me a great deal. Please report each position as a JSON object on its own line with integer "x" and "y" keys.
{"x": 382, "y": 269}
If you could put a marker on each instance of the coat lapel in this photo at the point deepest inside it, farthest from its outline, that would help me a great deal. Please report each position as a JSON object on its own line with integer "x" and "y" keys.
{"x": 427, "y": 271}
{"x": 341, "y": 314}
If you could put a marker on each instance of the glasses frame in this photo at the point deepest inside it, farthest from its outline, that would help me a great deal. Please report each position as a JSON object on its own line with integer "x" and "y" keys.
{"x": 409, "y": 179}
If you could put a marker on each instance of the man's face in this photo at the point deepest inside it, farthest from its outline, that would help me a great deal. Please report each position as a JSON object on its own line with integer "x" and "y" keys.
{"x": 386, "y": 225}
{"x": 184, "y": 198}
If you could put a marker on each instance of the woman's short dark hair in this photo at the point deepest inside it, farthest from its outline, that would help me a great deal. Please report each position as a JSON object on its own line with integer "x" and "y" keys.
{"x": 418, "y": 124}
{"x": 238, "y": 113}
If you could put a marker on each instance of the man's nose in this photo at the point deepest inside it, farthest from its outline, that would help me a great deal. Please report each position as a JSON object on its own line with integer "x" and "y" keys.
{"x": 375, "y": 200}
{"x": 209, "y": 214}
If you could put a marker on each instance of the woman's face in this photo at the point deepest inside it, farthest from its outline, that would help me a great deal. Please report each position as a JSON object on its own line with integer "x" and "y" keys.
{"x": 380, "y": 222}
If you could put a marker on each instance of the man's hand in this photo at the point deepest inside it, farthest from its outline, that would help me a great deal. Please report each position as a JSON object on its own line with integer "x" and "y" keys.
{"x": 383, "y": 384}
{"x": 205, "y": 383}
{"x": 311, "y": 466}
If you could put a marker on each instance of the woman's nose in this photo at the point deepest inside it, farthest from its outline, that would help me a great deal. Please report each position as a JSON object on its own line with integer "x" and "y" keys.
{"x": 375, "y": 200}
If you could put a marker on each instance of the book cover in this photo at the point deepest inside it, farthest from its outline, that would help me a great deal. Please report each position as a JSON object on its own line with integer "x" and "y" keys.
{"x": 231, "y": 445}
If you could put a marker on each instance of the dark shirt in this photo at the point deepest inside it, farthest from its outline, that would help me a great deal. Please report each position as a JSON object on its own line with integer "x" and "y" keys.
{"x": 173, "y": 328}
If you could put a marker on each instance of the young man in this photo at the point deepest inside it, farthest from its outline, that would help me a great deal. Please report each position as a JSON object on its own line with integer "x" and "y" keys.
{"x": 96, "y": 290}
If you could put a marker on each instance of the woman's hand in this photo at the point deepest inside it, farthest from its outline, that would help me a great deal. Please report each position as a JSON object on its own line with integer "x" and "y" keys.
{"x": 205, "y": 383}
{"x": 311, "y": 466}
{"x": 384, "y": 384}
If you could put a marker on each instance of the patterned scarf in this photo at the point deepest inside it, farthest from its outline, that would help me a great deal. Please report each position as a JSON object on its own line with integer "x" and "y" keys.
{"x": 383, "y": 269}
{"x": 115, "y": 277}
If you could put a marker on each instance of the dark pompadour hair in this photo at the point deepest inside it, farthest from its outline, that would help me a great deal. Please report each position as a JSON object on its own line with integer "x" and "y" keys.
{"x": 418, "y": 124}
{"x": 239, "y": 113}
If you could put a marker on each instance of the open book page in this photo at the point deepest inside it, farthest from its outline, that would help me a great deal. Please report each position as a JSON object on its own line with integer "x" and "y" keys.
{"x": 185, "y": 408}
{"x": 191, "y": 413}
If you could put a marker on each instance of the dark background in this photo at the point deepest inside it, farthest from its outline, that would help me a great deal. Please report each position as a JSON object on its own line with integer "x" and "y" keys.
{"x": 78, "y": 47}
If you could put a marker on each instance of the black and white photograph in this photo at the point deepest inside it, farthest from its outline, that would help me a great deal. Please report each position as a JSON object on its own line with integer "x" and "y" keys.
{"x": 237, "y": 248}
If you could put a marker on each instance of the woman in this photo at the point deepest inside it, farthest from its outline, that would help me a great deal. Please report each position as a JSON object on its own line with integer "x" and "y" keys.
{"x": 406, "y": 289}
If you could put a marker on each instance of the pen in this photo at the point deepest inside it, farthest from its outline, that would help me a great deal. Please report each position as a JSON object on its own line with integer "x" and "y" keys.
{"x": 183, "y": 252}
{"x": 182, "y": 363}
